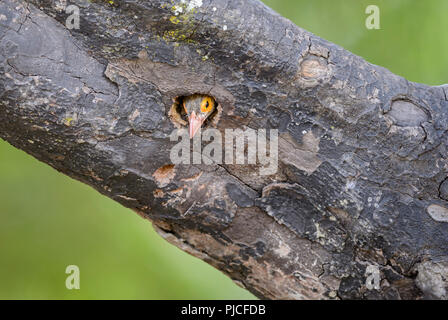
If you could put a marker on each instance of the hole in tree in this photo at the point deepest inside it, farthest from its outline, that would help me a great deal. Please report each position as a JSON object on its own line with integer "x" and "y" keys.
{"x": 179, "y": 116}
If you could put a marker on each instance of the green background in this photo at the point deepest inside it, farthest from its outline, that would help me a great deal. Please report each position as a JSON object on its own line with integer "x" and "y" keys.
{"x": 48, "y": 221}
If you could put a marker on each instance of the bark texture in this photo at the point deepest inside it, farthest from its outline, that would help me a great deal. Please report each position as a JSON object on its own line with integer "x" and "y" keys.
{"x": 362, "y": 180}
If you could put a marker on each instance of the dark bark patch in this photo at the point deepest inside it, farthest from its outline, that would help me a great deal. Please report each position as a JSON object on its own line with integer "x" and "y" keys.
{"x": 239, "y": 196}
{"x": 443, "y": 190}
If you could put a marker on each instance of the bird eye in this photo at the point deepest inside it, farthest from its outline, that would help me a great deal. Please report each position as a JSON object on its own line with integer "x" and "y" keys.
{"x": 206, "y": 105}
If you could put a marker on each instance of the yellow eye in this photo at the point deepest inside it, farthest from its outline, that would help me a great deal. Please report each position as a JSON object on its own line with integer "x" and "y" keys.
{"x": 206, "y": 105}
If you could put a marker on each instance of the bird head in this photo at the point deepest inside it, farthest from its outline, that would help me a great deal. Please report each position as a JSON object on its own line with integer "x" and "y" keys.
{"x": 198, "y": 108}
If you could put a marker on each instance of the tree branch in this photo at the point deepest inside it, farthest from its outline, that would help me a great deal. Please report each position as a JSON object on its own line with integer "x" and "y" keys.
{"x": 361, "y": 183}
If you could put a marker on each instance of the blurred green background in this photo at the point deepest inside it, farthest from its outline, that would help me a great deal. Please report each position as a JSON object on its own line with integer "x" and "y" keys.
{"x": 48, "y": 221}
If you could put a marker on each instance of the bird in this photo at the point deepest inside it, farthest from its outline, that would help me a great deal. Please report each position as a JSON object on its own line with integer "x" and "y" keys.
{"x": 198, "y": 107}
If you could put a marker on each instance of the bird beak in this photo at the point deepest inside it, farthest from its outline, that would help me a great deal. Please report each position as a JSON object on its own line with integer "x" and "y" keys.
{"x": 195, "y": 124}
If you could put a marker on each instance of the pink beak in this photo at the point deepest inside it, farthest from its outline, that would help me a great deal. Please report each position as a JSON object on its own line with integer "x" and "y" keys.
{"x": 195, "y": 124}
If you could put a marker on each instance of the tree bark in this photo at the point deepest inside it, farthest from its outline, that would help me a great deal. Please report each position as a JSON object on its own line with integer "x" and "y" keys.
{"x": 358, "y": 207}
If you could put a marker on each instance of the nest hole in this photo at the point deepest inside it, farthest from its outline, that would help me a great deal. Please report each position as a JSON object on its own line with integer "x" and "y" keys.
{"x": 179, "y": 117}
